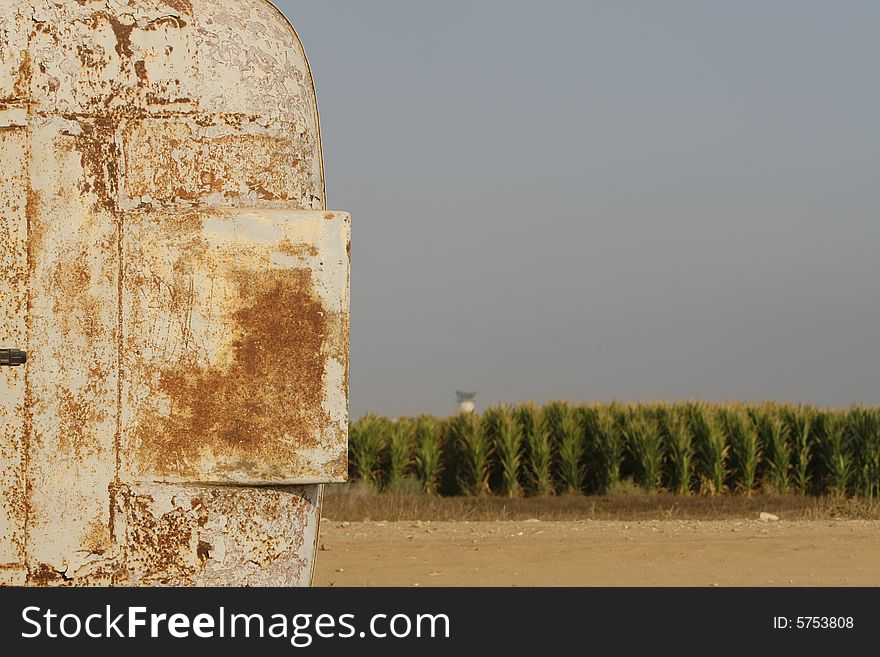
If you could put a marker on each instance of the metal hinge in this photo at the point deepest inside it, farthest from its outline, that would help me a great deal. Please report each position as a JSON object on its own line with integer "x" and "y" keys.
{"x": 12, "y": 358}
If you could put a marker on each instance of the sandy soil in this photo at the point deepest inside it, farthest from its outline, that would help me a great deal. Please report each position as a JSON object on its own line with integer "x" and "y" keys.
{"x": 600, "y": 553}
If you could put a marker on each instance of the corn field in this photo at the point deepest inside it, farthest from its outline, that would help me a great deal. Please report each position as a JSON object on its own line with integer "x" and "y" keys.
{"x": 691, "y": 448}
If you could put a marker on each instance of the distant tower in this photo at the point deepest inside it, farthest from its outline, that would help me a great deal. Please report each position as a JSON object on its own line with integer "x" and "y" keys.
{"x": 466, "y": 401}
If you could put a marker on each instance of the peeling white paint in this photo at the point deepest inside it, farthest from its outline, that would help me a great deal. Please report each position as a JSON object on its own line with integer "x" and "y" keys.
{"x": 158, "y": 156}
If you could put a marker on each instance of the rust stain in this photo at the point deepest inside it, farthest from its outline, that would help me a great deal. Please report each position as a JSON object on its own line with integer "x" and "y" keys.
{"x": 140, "y": 68}
{"x": 198, "y": 505}
{"x": 183, "y": 160}
{"x": 121, "y": 30}
{"x": 182, "y": 193}
{"x": 299, "y": 250}
{"x": 157, "y": 100}
{"x": 337, "y": 344}
{"x": 248, "y": 536}
{"x": 100, "y": 162}
{"x": 77, "y": 309}
{"x": 272, "y": 388}
{"x": 164, "y": 541}
{"x": 338, "y": 467}
{"x": 113, "y": 79}
{"x": 183, "y": 6}
{"x": 211, "y": 182}
{"x": 22, "y": 87}
{"x": 203, "y": 551}
{"x": 262, "y": 193}
{"x": 75, "y": 416}
{"x": 15, "y": 499}
{"x": 45, "y": 575}
{"x": 90, "y": 59}
{"x": 36, "y": 236}
{"x": 95, "y": 537}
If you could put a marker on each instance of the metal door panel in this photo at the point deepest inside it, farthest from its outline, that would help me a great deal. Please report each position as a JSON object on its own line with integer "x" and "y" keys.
{"x": 201, "y": 536}
{"x": 218, "y": 161}
{"x": 73, "y": 344}
{"x": 178, "y": 351}
{"x": 13, "y": 48}
{"x": 13, "y": 297}
{"x": 235, "y": 358}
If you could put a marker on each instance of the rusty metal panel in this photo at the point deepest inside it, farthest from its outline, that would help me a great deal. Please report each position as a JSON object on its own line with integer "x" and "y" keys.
{"x": 221, "y": 84}
{"x": 73, "y": 342}
{"x": 163, "y": 46}
{"x": 190, "y": 126}
{"x": 93, "y": 57}
{"x": 79, "y": 60}
{"x": 13, "y": 52}
{"x": 264, "y": 75}
{"x": 13, "y": 297}
{"x": 217, "y": 161}
{"x": 235, "y": 363}
{"x": 203, "y": 536}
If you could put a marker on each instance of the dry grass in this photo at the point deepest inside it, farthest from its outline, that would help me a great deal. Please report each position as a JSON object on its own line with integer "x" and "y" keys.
{"x": 355, "y": 503}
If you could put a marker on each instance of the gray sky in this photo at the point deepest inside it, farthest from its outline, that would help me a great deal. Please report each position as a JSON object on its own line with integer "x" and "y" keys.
{"x": 596, "y": 200}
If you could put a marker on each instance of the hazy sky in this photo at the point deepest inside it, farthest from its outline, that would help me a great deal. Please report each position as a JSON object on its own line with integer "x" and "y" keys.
{"x": 596, "y": 200}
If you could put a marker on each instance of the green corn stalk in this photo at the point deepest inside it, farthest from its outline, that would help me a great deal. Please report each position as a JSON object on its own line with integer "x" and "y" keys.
{"x": 366, "y": 443}
{"x": 656, "y": 412}
{"x": 712, "y": 448}
{"x": 787, "y": 448}
{"x": 491, "y": 422}
{"x": 838, "y": 458}
{"x": 540, "y": 461}
{"x": 538, "y": 450}
{"x": 608, "y": 447}
{"x": 742, "y": 436}
{"x": 400, "y": 452}
{"x": 680, "y": 448}
{"x": 645, "y": 443}
{"x": 509, "y": 442}
{"x": 570, "y": 454}
{"x": 528, "y": 416}
{"x": 775, "y": 436}
{"x": 554, "y": 414}
{"x": 864, "y": 428}
{"x": 801, "y": 433}
{"x": 428, "y": 457}
{"x": 474, "y": 455}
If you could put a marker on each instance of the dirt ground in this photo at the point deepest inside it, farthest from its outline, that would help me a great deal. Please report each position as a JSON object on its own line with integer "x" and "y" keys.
{"x": 733, "y": 552}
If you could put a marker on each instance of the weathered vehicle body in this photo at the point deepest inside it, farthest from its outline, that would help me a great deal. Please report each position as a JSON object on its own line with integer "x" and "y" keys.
{"x": 181, "y": 294}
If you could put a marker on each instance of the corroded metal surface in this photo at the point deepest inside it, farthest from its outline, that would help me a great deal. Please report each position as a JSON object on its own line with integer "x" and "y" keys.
{"x": 73, "y": 379}
{"x": 13, "y": 296}
{"x": 206, "y": 536}
{"x": 236, "y": 347}
{"x": 182, "y": 294}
